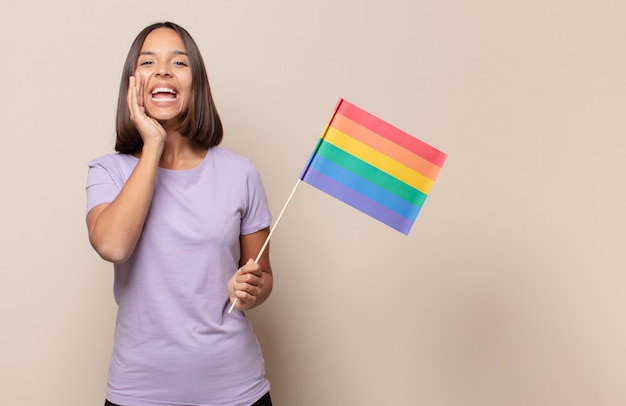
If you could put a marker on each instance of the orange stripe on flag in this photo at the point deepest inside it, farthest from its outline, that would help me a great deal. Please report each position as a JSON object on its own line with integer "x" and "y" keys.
{"x": 385, "y": 146}
{"x": 390, "y": 132}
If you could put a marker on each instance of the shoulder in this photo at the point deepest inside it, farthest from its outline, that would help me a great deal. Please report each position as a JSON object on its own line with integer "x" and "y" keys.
{"x": 113, "y": 160}
{"x": 226, "y": 154}
{"x": 113, "y": 166}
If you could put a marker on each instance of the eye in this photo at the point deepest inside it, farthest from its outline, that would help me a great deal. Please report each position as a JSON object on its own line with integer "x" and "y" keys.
{"x": 145, "y": 63}
{"x": 181, "y": 63}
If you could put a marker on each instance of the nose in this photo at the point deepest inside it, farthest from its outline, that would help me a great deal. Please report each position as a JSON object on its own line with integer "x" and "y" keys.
{"x": 163, "y": 69}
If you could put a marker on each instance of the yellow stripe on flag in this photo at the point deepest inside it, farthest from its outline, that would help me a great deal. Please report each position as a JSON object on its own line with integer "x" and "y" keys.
{"x": 378, "y": 160}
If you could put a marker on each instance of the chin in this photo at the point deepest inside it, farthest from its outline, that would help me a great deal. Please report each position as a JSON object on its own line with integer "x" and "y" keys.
{"x": 162, "y": 118}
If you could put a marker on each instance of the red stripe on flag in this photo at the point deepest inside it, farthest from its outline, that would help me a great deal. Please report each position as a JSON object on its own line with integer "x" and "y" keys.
{"x": 385, "y": 146}
{"x": 390, "y": 132}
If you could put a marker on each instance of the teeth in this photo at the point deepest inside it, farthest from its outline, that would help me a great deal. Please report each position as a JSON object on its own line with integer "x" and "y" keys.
{"x": 163, "y": 90}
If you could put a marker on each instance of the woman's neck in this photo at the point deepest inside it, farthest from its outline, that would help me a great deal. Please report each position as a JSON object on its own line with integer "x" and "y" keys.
{"x": 179, "y": 153}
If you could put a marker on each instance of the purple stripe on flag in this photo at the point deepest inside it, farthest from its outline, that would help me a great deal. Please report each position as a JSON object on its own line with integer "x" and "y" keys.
{"x": 358, "y": 201}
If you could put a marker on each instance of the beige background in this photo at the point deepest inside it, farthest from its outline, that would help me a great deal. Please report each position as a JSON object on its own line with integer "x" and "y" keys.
{"x": 508, "y": 290}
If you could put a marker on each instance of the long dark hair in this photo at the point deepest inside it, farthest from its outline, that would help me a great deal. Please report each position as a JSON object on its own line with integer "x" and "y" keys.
{"x": 200, "y": 123}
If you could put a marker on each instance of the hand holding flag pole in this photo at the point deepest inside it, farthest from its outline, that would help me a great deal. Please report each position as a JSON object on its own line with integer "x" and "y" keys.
{"x": 372, "y": 166}
{"x": 267, "y": 240}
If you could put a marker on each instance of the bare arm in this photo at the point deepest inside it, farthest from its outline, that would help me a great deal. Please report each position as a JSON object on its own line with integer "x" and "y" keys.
{"x": 253, "y": 282}
{"x": 115, "y": 227}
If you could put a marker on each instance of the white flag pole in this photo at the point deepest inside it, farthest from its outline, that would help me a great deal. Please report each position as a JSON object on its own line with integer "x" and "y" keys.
{"x": 267, "y": 240}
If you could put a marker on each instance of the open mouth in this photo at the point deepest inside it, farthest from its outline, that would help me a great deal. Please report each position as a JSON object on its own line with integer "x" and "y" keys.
{"x": 163, "y": 94}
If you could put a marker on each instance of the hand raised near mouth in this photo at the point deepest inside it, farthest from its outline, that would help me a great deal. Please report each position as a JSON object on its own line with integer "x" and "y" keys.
{"x": 151, "y": 131}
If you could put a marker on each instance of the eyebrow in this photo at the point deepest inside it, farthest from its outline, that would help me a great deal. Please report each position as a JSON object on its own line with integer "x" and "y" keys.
{"x": 176, "y": 52}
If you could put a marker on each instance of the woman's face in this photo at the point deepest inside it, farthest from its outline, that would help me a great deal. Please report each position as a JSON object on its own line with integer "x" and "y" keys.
{"x": 164, "y": 66}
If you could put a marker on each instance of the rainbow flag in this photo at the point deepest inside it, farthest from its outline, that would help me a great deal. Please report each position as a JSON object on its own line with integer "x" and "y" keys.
{"x": 373, "y": 166}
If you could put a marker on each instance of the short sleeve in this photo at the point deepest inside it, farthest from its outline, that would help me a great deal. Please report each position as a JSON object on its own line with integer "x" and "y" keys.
{"x": 101, "y": 187}
{"x": 257, "y": 215}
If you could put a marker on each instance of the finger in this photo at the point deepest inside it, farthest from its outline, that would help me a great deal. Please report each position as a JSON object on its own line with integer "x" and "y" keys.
{"x": 245, "y": 299}
{"x": 252, "y": 267}
{"x": 133, "y": 104}
{"x": 129, "y": 95}
{"x": 140, "y": 94}
{"x": 249, "y": 288}
{"x": 250, "y": 278}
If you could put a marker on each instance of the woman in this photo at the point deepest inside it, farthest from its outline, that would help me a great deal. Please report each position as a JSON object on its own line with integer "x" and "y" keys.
{"x": 180, "y": 218}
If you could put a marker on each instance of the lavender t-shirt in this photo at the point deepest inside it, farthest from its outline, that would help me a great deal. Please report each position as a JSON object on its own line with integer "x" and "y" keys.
{"x": 175, "y": 343}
